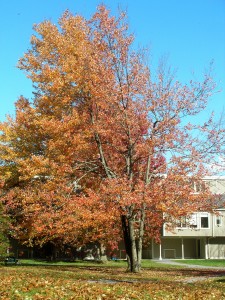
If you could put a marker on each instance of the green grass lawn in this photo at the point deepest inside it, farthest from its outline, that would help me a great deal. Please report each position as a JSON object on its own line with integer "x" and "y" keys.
{"x": 88, "y": 280}
{"x": 146, "y": 263}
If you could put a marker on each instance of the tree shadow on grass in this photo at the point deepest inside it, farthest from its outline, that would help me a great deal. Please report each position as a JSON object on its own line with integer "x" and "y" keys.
{"x": 119, "y": 273}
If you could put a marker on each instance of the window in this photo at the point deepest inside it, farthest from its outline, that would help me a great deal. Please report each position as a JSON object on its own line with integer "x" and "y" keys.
{"x": 218, "y": 221}
{"x": 204, "y": 220}
{"x": 187, "y": 221}
{"x": 193, "y": 220}
{"x": 182, "y": 222}
{"x": 198, "y": 186}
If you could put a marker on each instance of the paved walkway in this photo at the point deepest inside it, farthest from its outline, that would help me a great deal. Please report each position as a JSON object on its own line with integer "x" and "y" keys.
{"x": 172, "y": 262}
{"x": 215, "y": 271}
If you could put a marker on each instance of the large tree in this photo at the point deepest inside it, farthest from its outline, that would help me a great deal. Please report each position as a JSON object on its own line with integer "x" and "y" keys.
{"x": 105, "y": 147}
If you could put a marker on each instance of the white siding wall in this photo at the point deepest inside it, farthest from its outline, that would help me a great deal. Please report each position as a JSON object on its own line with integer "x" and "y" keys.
{"x": 197, "y": 239}
{"x": 216, "y": 222}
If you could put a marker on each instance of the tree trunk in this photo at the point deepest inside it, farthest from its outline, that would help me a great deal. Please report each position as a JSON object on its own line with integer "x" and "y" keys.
{"x": 133, "y": 245}
{"x": 103, "y": 256}
{"x": 141, "y": 235}
{"x": 101, "y": 253}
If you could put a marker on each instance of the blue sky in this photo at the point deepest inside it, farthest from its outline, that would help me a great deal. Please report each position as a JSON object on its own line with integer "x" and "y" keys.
{"x": 190, "y": 32}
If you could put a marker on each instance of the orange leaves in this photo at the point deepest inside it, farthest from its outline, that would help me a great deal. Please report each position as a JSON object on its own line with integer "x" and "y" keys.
{"x": 72, "y": 282}
{"x": 100, "y": 135}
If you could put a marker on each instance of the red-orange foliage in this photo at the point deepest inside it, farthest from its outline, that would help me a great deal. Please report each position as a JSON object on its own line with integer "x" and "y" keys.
{"x": 91, "y": 151}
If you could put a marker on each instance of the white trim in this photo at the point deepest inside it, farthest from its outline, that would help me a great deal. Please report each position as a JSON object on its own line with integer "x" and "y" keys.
{"x": 214, "y": 177}
{"x": 160, "y": 251}
{"x": 206, "y": 249}
{"x": 182, "y": 248}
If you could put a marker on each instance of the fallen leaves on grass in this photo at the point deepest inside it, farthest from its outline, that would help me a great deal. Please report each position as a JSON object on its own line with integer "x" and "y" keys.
{"x": 33, "y": 283}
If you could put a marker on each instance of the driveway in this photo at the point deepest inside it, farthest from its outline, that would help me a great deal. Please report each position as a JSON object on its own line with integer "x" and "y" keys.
{"x": 172, "y": 262}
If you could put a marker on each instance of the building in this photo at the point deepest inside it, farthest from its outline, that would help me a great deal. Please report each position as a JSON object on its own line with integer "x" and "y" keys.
{"x": 200, "y": 235}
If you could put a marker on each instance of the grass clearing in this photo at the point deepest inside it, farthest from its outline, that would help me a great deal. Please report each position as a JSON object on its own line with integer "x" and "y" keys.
{"x": 88, "y": 280}
{"x": 146, "y": 263}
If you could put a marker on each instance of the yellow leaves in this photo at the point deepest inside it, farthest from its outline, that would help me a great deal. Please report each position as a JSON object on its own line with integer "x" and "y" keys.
{"x": 34, "y": 166}
{"x": 97, "y": 121}
{"x": 103, "y": 283}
